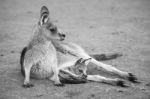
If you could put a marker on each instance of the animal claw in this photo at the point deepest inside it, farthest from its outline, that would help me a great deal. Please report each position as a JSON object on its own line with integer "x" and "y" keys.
{"x": 121, "y": 83}
{"x": 59, "y": 85}
{"x": 133, "y": 78}
{"x": 27, "y": 85}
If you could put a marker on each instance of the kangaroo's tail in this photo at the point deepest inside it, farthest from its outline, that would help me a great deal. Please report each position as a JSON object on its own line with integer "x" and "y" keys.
{"x": 22, "y": 60}
{"x": 103, "y": 57}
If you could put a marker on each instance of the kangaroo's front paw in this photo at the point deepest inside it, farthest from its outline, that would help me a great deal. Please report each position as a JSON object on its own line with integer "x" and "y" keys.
{"x": 132, "y": 78}
{"x": 27, "y": 85}
{"x": 59, "y": 84}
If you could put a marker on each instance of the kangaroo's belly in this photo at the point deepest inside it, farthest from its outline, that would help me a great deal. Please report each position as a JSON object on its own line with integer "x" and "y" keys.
{"x": 43, "y": 68}
{"x": 38, "y": 72}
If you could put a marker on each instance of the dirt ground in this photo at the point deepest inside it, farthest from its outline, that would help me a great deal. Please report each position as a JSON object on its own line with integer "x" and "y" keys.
{"x": 99, "y": 26}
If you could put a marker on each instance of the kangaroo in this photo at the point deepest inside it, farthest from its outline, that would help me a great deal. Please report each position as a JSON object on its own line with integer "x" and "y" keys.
{"x": 66, "y": 55}
{"x": 40, "y": 52}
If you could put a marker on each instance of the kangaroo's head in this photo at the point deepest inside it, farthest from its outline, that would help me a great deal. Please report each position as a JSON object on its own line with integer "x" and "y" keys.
{"x": 47, "y": 27}
{"x": 81, "y": 66}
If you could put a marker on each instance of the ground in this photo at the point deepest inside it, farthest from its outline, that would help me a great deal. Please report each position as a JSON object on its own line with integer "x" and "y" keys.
{"x": 99, "y": 26}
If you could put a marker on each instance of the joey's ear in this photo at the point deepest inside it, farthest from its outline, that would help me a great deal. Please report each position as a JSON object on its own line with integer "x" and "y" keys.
{"x": 44, "y": 15}
{"x": 79, "y": 61}
{"x": 86, "y": 61}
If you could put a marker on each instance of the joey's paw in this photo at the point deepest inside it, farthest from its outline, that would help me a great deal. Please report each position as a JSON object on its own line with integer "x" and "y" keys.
{"x": 27, "y": 85}
{"x": 84, "y": 76}
{"x": 81, "y": 78}
{"x": 59, "y": 85}
{"x": 133, "y": 78}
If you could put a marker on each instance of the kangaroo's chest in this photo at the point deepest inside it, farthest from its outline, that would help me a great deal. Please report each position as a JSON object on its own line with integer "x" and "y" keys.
{"x": 50, "y": 57}
{"x": 43, "y": 68}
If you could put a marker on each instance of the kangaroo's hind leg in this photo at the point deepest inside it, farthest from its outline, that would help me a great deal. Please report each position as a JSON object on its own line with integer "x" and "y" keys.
{"x": 111, "y": 69}
{"x": 101, "y": 79}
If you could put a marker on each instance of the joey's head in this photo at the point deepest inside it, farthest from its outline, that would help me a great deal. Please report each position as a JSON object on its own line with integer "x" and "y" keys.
{"x": 81, "y": 66}
{"x": 46, "y": 26}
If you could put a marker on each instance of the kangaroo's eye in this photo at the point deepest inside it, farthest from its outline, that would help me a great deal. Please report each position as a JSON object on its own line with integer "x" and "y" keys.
{"x": 52, "y": 29}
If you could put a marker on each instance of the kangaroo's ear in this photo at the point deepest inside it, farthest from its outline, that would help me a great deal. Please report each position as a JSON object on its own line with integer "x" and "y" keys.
{"x": 86, "y": 61}
{"x": 44, "y": 15}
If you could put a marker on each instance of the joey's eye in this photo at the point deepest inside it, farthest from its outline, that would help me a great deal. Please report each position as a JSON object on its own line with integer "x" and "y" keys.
{"x": 81, "y": 71}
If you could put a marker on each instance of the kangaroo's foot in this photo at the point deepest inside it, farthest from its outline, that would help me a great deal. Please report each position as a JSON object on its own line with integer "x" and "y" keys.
{"x": 132, "y": 78}
{"x": 27, "y": 85}
{"x": 116, "y": 82}
{"x": 121, "y": 83}
{"x": 59, "y": 84}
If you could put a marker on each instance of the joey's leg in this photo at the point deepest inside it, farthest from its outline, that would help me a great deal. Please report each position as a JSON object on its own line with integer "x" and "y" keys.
{"x": 101, "y": 79}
